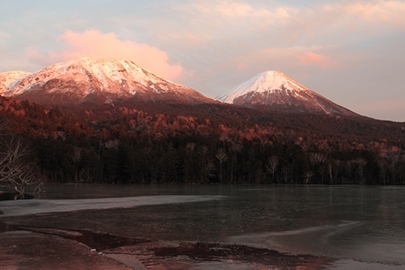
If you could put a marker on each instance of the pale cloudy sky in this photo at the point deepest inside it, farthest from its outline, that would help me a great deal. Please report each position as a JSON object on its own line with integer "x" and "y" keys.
{"x": 351, "y": 52}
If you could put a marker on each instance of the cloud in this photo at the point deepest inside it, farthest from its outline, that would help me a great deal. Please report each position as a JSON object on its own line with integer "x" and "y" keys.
{"x": 242, "y": 10}
{"x": 315, "y": 59}
{"x": 94, "y": 44}
{"x": 388, "y": 13}
{"x": 272, "y": 57}
{"x": 298, "y": 24}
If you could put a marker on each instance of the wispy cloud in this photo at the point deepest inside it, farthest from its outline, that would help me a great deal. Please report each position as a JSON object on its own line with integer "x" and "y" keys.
{"x": 314, "y": 59}
{"x": 285, "y": 56}
{"x": 241, "y": 9}
{"x": 293, "y": 23}
{"x": 94, "y": 44}
{"x": 389, "y": 13}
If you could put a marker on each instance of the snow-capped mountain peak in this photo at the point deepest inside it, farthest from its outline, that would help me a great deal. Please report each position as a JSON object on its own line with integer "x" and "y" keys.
{"x": 100, "y": 81}
{"x": 273, "y": 90}
{"x": 116, "y": 70}
{"x": 265, "y": 82}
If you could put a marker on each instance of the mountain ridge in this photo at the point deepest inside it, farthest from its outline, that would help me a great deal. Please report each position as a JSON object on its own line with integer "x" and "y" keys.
{"x": 98, "y": 81}
{"x": 109, "y": 81}
{"x": 9, "y": 77}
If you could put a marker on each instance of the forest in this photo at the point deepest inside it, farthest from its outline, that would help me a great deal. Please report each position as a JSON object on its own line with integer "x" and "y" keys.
{"x": 177, "y": 145}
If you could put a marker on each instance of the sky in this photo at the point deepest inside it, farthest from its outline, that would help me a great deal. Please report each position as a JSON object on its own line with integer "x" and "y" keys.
{"x": 351, "y": 52}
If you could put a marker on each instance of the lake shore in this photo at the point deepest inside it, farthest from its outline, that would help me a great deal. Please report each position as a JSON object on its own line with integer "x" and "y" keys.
{"x": 80, "y": 234}
{"x": 55, "y": 249}
{"x": 27, "y": 250}
{"x": 217, "y": 227}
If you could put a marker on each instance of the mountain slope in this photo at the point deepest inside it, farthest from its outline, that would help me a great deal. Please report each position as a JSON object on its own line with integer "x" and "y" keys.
{"x": 8, "y": 78}
{"x": 276, "y": 91}
{"x": 99, "y": 81}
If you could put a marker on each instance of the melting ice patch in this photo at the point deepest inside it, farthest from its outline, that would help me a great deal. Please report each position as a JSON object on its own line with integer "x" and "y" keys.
{"x": 36, "y": 206}
{"x": 314, "y": 240}
{"x": 340, "y": 241}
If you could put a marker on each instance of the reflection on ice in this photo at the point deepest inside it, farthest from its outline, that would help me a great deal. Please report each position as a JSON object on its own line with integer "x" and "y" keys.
{"x": 328, "y": 240}
{"x": 332, "y": 228}
{"x": 35, "y": 206}
{"x": 311, "y": 239}
{"x": 351, "y": 264}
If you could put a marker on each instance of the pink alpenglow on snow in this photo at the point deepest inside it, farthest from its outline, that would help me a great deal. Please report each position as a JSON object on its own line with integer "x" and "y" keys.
{"x": 98, "y": 81}
{"x": 273, "y": 90}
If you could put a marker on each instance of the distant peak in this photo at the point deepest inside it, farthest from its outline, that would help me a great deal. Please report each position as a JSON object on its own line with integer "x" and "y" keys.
{"x": 93, "y": 61}
{"x": 270, "y": 81}
{"x": 272, "y": 73}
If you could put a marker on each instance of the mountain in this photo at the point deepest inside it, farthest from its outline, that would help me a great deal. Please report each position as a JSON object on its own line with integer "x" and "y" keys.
{"x": 7, "y": 78}
{"x": 179, "y": 142}
{"x": 276, "y": 91}
{"x": 99, "y": 81}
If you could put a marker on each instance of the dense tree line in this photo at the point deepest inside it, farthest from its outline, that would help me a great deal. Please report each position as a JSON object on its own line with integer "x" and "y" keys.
{"x": 207, "y": 159}
{"x": 207, "y": 145}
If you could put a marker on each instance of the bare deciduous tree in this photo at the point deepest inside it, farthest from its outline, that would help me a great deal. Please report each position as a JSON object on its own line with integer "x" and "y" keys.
{"x": 222, "y": 157}
{"x": 272, "y": 165}
{"x": 208, "y": 170}
{"x": 360, "y": 167}
{"x": 317, "y": 158}
{"x": 287, "y": 173}
{"x": 330, "y": 172}
{"x": 307, "y": 176}
{"x": 3, "y": 125}
{"x": 190, "y": 147}
{"x": 16, "y": 169}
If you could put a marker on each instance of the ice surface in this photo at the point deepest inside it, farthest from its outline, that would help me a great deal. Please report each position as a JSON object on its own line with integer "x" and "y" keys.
{"x": 36, "y": 206}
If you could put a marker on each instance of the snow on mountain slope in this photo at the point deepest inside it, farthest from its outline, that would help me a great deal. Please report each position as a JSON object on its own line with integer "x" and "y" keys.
{"x": 8, "y": 78}
{"x": 99, "y": 81}
{"x": 276, "y": 91}
{"x": 269, "y": 81}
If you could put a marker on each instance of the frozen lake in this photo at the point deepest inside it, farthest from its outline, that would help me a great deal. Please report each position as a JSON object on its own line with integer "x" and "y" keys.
{"x": 358, "y": 227}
